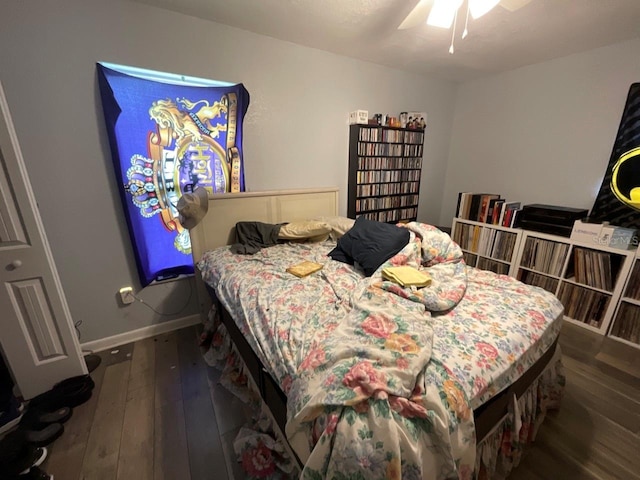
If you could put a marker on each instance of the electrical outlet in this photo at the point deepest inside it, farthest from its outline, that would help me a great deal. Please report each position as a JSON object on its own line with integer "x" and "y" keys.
{"x": 126, "y": 295}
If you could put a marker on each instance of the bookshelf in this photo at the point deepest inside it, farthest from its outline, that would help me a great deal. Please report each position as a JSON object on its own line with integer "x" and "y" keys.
{"x": 599, "y": 286}
{"x": 587, "y": 278}
{"x": 487, "y": 247}
{"x": 626, "y": 324}
{"x": 385, "y": 166}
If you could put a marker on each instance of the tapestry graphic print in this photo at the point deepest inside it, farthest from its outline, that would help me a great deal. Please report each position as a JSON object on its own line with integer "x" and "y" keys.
{"x": 166, "y": 140}
{"x": 618, "y": 200}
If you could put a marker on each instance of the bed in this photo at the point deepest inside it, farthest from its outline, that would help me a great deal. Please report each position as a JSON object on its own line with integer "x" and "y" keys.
{"x": 366, "y": 382}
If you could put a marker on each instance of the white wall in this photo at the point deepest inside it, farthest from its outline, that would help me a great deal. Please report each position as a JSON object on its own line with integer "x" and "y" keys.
{"x": 295, "y": 133}
{"x": 542, "y": 133}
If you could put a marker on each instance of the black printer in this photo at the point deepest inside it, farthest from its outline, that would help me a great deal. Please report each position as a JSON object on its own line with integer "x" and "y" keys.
{"x": 550, "y": 218}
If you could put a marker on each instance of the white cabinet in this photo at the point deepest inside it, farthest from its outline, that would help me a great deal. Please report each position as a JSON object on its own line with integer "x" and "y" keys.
{"x": 487, "y": 247}
{"x": 587, "y": 278}
{"x": 626, "y": 324}
{"x": 594, "y": 283}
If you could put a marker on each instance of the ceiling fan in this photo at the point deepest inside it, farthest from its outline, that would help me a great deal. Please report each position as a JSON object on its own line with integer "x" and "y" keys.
{"x": 444, "y": 13}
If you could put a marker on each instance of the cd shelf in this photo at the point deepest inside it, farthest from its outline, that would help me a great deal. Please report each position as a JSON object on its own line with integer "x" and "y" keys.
{"x": 385, "y": 168}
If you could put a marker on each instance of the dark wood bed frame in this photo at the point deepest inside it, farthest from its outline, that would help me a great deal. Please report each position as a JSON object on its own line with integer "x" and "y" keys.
{"x": 217, "y": 229}
{"x": 486, "y": 416}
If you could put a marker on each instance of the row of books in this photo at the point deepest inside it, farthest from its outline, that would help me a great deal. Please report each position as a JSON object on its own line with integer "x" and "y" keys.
{"x": 389, "y": 150}
{"x": 379, "y": 149}
{"x": 473, "y": 260}
{"x": 377, "y": 203}
{"x": 487, "y": 208}
{"x": 387, "y": 189}
{"x": 467, "y": 236}
{"x": 367, "y": 134}
{"x": 633, "y": 287}
{"x": 583, "y": 304}
{"x": 413, "y": 150}
{"x": 550, "y": 284}
{"x": 498, "y": 244}
{"x": 627, "y": 323}
{"x": 380, "y": 135}
{"x": 469, "y": 258}
{"x": 493, "y": 266}
{"x": 391, "y": 215}
{"x": 489, "y": 242}
{"x": 414, "y": 137}
{"x": 593, "y": 268}
{"x": 380, "y": 176}
{"x": 544, "y": 256}
{"x": 377, "y": 163}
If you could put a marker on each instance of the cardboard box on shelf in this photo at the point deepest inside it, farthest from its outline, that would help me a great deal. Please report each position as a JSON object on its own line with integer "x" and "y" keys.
{"x": 586, "y": 232}
{"x": 359, "y": 117}
{"x": 618, "y": 237}
{"x": 404, "y": 117}
{"x": 417, "y": 120}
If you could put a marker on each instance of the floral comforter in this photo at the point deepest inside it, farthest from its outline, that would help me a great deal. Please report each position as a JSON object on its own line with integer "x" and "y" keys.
{"x": 381, "y": 381}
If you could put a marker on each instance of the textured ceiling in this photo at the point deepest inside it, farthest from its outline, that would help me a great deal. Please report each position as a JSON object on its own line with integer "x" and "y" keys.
{"x": 367, "y": 29}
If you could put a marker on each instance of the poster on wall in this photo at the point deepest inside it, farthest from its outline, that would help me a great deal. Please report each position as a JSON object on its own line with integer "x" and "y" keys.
{"x": 168, "y": 136}
{"x": 618, "y": 200}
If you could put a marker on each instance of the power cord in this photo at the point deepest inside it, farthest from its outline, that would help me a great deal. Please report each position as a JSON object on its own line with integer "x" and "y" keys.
{"x": 79, "y": 333}
{"x": 76, "y": 326}
{"x": 167, "y": 314}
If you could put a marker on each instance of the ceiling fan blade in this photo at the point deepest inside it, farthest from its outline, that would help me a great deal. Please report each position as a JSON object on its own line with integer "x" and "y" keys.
{"x": 513, "y": 5}
{"x": 417, "y": 16}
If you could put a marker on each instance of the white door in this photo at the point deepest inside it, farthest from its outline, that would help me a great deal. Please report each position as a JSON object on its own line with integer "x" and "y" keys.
{"x": 36, "y": 330}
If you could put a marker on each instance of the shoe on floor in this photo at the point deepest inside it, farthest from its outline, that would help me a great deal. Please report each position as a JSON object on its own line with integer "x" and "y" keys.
{"x": 36, "y": 418}
{"x": 42, "y": 453}
{"x": 36, "y": 473}
{"x": 38, "y": 456}
{"x": 70, "y": 393}
{"x": 71, "y": 384}
{"x": 12, "y": 416}
{"x": 45, "y": 436}
{"x": 17, "y": 455}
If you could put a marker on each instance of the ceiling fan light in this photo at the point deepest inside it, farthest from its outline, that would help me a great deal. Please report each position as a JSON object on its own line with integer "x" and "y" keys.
{"x": 442, "y": 13}
{"x": 479, "y": 7}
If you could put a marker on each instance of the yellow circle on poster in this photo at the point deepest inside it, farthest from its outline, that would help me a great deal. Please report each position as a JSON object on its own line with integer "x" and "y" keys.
{"x": 625, "y": 178}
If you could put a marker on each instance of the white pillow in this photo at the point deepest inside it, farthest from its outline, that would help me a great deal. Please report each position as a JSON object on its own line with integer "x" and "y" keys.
{"x": 339, "y": 225}
{"x": 310, "y": 230}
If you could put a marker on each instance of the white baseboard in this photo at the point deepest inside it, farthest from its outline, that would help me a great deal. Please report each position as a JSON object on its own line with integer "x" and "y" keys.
{"x": 139, "y": 334}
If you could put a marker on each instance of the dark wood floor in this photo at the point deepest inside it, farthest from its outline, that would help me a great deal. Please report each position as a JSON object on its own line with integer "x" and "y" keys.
{"x": 158, "y": 413}
{"x": 596, "y": 433}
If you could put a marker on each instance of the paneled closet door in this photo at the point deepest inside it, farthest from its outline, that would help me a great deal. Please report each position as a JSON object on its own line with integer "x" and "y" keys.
{"x": 36, "y": 331}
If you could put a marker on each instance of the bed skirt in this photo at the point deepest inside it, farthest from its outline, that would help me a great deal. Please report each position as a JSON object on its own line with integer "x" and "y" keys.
{"x": 262, "y": 449}
{"x": 501, "y": 449}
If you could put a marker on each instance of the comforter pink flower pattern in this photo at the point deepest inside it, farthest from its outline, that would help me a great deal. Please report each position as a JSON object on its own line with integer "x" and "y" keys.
{"x": 368, "y": 396}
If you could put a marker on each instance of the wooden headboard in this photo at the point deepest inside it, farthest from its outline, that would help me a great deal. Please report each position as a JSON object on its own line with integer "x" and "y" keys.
{"x": 225, "y": 210}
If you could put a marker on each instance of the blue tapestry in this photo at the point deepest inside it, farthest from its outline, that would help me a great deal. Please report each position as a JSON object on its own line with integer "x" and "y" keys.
{"x": 167, "y": 139}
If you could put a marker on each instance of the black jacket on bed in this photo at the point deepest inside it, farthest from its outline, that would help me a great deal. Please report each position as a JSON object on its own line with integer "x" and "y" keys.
{"x": 253, "y": 236}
